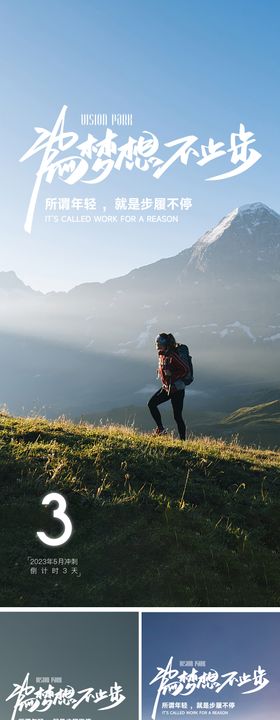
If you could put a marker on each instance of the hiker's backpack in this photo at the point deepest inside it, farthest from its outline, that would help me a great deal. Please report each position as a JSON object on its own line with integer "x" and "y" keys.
{"x": 183, "y": 352}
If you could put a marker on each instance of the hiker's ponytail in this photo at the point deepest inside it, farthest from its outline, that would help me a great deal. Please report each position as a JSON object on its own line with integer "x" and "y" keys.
{"x": 171, "y": 341}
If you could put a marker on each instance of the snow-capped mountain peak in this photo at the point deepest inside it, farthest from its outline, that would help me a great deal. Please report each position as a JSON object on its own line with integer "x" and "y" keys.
{"x": 212, "y": 235}
{"x": 250, "y": 213}
{"x": 256, "y": 207}
{"x": 245, "y": 237}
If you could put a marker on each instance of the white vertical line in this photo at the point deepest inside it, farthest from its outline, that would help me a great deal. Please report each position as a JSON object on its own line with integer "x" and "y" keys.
{"x": 140, "y": 666}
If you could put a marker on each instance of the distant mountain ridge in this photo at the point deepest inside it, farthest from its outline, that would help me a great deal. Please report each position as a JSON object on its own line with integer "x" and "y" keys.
{"x": 9, "y": 281}
{"x": 252, "y": 228}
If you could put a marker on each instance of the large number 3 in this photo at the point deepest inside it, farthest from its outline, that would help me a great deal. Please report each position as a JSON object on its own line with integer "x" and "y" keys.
{"x": 60, "y": 514}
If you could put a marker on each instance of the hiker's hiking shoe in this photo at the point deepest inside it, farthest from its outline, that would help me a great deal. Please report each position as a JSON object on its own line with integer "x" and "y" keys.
{"x": 160, "y": 431}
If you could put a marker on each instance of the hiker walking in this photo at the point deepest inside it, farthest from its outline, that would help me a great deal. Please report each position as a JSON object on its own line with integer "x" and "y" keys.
{"x": 175, "y": 372}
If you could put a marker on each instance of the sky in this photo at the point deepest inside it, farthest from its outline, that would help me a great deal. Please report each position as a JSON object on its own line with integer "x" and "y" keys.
{"x": 190, "y": 67}
{"x": 226, "y": 642}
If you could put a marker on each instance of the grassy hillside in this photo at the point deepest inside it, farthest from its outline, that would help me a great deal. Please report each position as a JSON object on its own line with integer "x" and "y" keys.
{"x": 157, "y": 522}
{"x": 256, "y": 423}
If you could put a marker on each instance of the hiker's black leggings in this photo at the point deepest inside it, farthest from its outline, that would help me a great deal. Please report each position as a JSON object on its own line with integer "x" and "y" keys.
{"x": 177, "y": 401}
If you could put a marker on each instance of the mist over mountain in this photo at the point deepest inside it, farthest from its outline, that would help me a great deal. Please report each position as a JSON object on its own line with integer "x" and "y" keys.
{"x": 220, "y": 296}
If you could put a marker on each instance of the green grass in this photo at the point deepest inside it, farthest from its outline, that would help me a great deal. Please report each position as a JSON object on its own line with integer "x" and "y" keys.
{"x": 156, "y": 522}
{"x": 263, "y": 412}
{"x": 256, "y": 423}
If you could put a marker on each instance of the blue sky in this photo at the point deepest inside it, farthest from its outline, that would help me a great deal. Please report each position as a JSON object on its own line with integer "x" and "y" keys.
{"x": 186, "y": 67}
{"x": 226, "y": 642}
